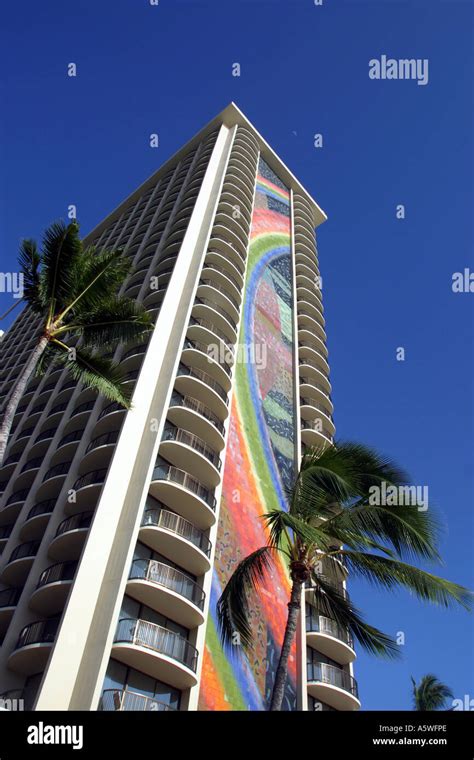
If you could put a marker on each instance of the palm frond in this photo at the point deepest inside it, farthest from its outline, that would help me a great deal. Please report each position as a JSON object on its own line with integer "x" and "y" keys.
{"x": 29, "y": 260}
{"x": 60, "y": 253}
{"x": 411, "y": 532}
{"x": 114, "y": 320}
{"x": 99, "y": 373}
{"x": 390, "y": 574}
{"x": 430, "y": 693}
{"x": 233, "y": 608}
{"x": 97, "y": 278}
{"x": 336, "y": 606}
{"x": 280, "y": 522}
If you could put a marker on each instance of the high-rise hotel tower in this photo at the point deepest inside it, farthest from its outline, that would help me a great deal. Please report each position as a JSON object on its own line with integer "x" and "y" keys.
{"x": 118, "y": 530}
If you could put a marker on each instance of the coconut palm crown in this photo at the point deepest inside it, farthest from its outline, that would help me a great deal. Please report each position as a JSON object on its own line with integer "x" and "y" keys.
{"x": 431, "y": 694}
{"x": 331, "y": 524}
{"x": 72, "y": 290}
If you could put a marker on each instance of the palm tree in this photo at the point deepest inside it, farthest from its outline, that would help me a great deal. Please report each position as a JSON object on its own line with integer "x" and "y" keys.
{"x": 430, "y": 694}
{"x": 73, "y": 292}
{"x": 331, "y": 519}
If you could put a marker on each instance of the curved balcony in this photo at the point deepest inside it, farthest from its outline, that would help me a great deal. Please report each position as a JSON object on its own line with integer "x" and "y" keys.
{"x": 217, "y": 260}
{"x": 200, "y": 385}
{"x": 37, "y": 520}
{"x": 156, "y": 651}
{"x": 10, "y": 463}
{"x": 313, "y": 377}
{"x": 167, "y": 590}
{"x": 22, "y": 436}
{"x": 184, "y": 494}
{"x": 203, "y": 332}
{"x": 57, "y": 409}
{"x": 5, "y": 533}
{"x": 87, "y": 488}
{"x": 315, "y": 435}
{"x": 329, "y": 638}
{"x": 154, "y": 299}
{"x": 240, "y": 183}
{"x": 117, "y": 700}
{"x": 53, "y": 587}
{"x": 309, "y": 260}
{"x": 28, "y": 472}
{"x": 53, "y": 481}
{"x": 224, "y": 280}
{"x": 231, "y": 250}
{"x": 208, "y": 288}
{"x": 70, "y": 537}
{"x": 41, "y": 443}
{"x": 314, "y": 411}
{"x": 13, "y": 506}
{"x": 67, "y": 446}
{"x": 187, "y": 450}
{"x": 33, "y": 647}
{"x": 110, "y": 418}
{"x": 172, "y": 536}
{"x": 311, "y": 321}
{"x": 8, "y": 601}
{"x": 310, "y": 349}
{"x": 334, "y": 686}
{"x": 133, "y": 358}
{"x": 189, "y": 413}
{"x": 209, "y": 358}
{"x": 83, "y": 408}
{"x": 99, "y": 451}
{"x": 211, "y": 311}
{"x": 19, "y": 564}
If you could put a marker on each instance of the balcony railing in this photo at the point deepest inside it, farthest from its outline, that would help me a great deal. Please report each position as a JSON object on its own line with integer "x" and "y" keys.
{"x": 61, "y": 571}
{"x": 40, "y": 632}
{"x": 197, "y": 406}
{"x": 5, "y": 531}
{"x": 227, "y": 274}
{"x": 314, "y": 425}
{"x": 103, "y": 440}
{"x": 76, "y": 522}
{"x": 216, "y": 330}
{"x": 182, "y": 478}
{"x": 172, "y": 433}
{"x": 32, "y": 464}
{"x": 17, "y": 496}
{"x": 59, "y": 469}
{"x": 204, "y": 348}
{"x": 169, "y": 577}
{"x": 329, "y": 674}
{"x": 320, "y": 624}
{"x": 76, "y": 435}
{"x": 9, "y": 597}
{"x": 113, "y": 407}
{"x": 42, "y": 508}
{"x": 124, "y": 699}
{"x": 158, "y": 517}
{"x": 212, "y": 284}
{"x": 157, "y": 638}
{"x": 199, "y": 374}
{"x": 135, "y": 351}
{"x": 28, "y": 549}
{"x": 49, "y": 433}
{"x": 219, "y": 309}
{"x": 96, "y": 477}
{"x": 85, "y": 407}
{"x": 59, "y": 408}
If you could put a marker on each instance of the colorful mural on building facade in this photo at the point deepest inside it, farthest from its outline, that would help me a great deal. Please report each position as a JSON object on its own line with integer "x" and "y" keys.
{"x": 260, "y": 459}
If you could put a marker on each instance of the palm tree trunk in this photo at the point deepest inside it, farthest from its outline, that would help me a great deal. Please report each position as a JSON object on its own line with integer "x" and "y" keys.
{"x": 17, "y": 393}
{"x": 294, "y": 606}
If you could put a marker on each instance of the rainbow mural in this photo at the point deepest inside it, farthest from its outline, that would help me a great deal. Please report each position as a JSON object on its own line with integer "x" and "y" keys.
{"x": 260, "y": 459}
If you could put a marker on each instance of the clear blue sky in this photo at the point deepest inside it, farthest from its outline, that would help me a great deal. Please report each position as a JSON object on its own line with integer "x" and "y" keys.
{"x": 387, "y": 282}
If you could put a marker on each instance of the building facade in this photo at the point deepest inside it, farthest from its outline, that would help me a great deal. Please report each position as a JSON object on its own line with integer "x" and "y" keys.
{"x": 118, "y": 530}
